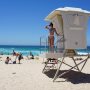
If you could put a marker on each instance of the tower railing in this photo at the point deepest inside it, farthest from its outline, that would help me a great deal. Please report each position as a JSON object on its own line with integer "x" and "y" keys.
{"x": 58, "y": 45}
{"x": 43, "y": 44}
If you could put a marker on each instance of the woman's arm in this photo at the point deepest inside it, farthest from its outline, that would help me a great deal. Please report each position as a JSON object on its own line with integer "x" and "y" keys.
{"x": 56, "y": 31}
{"x": 47, "y": 27}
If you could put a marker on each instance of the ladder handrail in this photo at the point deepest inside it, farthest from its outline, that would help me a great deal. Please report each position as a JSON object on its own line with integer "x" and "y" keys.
{"x": 59, "y": 40}
{"x": 44, "y": 42}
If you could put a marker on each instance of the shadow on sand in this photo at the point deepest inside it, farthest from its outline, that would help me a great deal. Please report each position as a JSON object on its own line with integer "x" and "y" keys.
{"x": 73, "y": 76}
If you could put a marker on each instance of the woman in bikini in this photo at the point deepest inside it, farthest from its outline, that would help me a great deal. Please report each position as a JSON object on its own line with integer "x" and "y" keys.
{"x": 51, "y": 35}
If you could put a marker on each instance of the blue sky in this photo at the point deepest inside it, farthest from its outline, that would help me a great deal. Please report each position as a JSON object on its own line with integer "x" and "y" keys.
{"x": 22, "y": 21}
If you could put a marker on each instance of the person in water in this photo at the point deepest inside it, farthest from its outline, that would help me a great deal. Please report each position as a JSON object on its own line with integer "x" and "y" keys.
{"x": 14, "y": 53}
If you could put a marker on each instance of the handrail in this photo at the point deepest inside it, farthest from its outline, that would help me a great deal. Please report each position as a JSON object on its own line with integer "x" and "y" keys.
{"x": 47, "y": 48}
{"x": 44, "y": 42}
{"x": 59, "y": 41}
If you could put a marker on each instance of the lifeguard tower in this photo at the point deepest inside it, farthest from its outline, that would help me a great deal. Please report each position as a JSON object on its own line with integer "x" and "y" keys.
{"x": 71, "y": 25}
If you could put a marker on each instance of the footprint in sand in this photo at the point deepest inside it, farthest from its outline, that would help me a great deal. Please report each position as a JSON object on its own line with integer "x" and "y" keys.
{"x": 14, "y": 73}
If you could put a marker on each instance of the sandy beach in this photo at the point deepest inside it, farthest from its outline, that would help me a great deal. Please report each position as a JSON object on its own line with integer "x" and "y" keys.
{"x": 28, "y": 76}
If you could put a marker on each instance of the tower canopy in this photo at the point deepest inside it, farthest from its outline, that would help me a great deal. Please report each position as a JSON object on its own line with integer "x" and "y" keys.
{"x": 59, "y": 11}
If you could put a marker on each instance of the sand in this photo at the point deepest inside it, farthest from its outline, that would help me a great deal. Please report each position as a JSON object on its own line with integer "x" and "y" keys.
{"x": 28, "y": 76}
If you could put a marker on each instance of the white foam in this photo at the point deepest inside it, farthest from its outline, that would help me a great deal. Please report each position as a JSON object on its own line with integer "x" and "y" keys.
{"x": 82, "y": 53}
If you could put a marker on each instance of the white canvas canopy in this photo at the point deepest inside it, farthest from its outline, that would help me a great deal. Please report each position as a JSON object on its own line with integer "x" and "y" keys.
{"x": 65, "y": 9}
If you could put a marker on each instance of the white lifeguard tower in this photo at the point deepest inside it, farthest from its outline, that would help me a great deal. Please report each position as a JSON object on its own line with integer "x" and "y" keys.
{"x": 71, "y": 25}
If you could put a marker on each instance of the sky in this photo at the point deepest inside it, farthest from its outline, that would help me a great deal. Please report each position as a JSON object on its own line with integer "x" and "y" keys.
{"x": 22, "y": 21}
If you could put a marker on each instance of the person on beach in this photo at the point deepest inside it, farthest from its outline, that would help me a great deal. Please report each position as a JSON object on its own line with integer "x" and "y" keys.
{"x": 52, "y": 30}
{"x": 19, "y": 57}
{"x": 32, "y": 56}
{"x": 16, "y": 54}
{"x": 7, "y": 60}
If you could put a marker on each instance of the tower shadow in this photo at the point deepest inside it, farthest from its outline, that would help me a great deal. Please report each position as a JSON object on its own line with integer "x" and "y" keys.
{"x": 73, "y": 76}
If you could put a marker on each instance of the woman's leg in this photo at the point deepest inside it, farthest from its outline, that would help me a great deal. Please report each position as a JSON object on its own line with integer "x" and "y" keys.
{"x": 19, "y": 61}
{"x": 52, "y": 42}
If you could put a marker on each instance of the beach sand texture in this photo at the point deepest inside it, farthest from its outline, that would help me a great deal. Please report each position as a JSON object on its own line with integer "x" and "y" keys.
{"x": 28, "y": 76}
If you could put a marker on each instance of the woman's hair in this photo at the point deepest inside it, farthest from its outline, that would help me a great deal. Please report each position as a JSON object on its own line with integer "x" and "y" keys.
{"x": 51, "y": 24}
{"x": 7, "y": 57}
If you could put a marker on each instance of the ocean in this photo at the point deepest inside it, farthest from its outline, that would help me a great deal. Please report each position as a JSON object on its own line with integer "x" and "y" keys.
{"x": 25, "y": 50}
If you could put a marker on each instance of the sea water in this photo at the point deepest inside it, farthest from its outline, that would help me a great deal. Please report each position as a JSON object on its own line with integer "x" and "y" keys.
{"x": 36, "y": 50}
{"x": 25, "y": 50}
